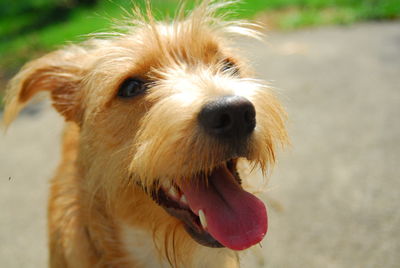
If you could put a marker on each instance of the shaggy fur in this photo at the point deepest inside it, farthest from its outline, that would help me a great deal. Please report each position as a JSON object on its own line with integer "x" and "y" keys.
{"x": 99, "y": 214}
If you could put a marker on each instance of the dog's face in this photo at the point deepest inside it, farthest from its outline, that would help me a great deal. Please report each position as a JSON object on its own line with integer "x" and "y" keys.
{"x": 169, "y": 110}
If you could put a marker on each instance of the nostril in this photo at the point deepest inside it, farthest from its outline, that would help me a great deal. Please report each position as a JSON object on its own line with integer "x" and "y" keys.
{"x": 223, "y": 121}
{"x": 249, "y": 116}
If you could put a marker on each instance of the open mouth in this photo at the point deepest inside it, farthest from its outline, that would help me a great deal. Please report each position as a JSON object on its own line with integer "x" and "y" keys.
{"x": 215, "y": 209}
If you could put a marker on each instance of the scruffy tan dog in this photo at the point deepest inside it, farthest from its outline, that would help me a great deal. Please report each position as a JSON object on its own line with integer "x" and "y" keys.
{"x": 161, "y": 121}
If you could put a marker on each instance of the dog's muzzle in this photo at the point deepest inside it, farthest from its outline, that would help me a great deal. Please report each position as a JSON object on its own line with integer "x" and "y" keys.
{"x": 211, "y": 203}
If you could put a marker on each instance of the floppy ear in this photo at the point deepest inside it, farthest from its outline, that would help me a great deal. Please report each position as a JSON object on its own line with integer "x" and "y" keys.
{"x": 59, "y": 73}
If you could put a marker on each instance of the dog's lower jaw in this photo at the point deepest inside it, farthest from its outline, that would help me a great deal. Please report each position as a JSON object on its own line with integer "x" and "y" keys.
{"x": 153, "y": 238}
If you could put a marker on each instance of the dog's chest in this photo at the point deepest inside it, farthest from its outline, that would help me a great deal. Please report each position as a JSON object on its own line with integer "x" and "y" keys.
{"x": 139, "y": 245}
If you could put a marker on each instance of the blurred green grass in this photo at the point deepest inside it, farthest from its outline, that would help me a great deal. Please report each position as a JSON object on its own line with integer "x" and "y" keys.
{"x": 21, "y": 40}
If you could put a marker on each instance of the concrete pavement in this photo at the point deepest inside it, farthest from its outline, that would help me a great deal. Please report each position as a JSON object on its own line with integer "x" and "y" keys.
{"x": 339, "y": 185}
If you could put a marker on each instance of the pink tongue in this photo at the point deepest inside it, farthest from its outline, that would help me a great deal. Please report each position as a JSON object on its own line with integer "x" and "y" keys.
{"x": 235, "y": 218}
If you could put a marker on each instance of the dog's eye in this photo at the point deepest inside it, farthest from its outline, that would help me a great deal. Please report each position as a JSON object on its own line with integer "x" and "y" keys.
{"x": 229, "y": 66}
{"x": 131, "y": 87}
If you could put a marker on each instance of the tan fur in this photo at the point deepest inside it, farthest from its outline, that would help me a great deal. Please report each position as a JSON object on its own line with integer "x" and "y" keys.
{"x": 111, "y": 144}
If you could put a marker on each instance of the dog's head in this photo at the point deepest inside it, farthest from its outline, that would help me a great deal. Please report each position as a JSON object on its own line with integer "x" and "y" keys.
{"x": 169, "y": 109}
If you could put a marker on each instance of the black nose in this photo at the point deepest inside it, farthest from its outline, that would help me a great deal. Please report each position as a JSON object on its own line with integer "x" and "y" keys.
{"x": 228, "y": 117}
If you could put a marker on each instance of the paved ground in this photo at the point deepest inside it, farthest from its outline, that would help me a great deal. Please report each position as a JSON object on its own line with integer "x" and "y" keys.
{"x": 334, "y": 195}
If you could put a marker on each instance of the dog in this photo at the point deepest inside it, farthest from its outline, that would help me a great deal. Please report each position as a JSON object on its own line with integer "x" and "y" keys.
{"x": 163, "y": 121}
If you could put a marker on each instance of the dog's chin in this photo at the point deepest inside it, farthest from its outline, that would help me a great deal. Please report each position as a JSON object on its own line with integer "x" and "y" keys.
{"x": 171, "y": 198}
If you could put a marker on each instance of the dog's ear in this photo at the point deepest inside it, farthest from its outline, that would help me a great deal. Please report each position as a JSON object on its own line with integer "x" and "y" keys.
{"x": 59, "y": 73}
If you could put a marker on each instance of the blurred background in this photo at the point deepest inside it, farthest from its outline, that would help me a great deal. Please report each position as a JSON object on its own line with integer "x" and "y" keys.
{"x": 334, "y": 195}
{"x": 30, "y": 27}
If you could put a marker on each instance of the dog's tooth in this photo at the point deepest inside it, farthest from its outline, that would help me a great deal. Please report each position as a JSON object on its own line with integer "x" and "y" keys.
{"x": 184, "y": 200}
{"x": 203, "y": 220}
{"x": 173, "y": 192}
